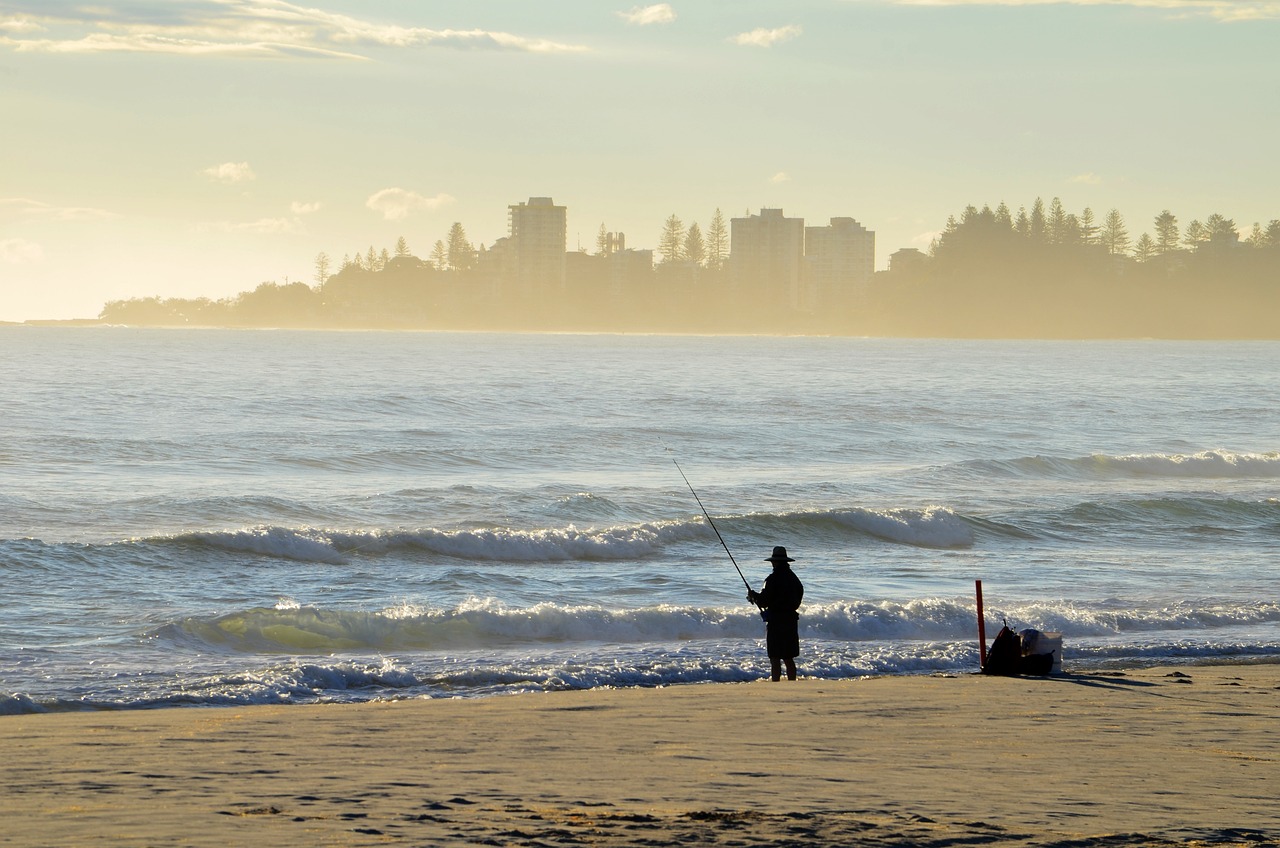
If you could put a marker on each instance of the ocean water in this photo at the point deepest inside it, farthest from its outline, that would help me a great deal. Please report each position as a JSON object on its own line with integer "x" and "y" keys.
{"x": 226, "y": 517}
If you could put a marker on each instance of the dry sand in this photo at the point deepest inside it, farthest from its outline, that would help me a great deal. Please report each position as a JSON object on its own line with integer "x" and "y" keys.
{"x": 1148, "y": 757}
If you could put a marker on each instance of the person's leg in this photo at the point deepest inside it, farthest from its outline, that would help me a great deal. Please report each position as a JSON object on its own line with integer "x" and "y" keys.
{"x": 776, "y": 665}
{"x": 791, "y": 669}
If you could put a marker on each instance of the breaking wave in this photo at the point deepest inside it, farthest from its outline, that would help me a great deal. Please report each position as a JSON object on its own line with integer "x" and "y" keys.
{"x": 480, "y": 624}
{"x": 1185, "y": 517}
{"x": 931, "y": 527}
{"x": 1211, "y": 464}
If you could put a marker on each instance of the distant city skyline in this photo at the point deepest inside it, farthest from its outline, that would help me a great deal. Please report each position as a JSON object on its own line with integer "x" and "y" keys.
{"x": 198, "y": 147}
{"x": 778, "y": 260}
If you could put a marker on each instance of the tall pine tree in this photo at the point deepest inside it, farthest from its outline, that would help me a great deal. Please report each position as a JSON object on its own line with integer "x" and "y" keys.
{"x": 717, "y": 242}
{"x": 671, "y": 242}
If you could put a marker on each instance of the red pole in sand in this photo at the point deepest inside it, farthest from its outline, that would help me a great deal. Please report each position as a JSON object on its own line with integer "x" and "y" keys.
{"x": 982, "y": 624}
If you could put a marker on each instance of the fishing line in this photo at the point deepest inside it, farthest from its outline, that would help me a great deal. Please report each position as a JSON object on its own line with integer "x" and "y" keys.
{"x": 709, "y": 521}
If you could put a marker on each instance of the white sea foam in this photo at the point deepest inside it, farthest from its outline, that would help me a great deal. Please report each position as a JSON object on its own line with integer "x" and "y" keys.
{"x": 290, "y": 681}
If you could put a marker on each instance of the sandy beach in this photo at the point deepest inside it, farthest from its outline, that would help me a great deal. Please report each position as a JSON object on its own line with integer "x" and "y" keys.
{"x": 1144, "y": 757}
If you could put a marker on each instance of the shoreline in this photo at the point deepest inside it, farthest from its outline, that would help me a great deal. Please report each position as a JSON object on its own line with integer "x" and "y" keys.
{"x": 1160, "y": 755}
{"x": 21, "y": 703}
{"x": 98, "y": 323}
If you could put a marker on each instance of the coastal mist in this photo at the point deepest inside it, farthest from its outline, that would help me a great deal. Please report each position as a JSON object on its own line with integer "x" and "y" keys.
{"x": 234, "y": 517}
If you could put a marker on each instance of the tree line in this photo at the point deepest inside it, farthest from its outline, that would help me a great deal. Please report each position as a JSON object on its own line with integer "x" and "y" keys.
{"x": 1056, "y": 226}
{"x": 1046, "y": 272}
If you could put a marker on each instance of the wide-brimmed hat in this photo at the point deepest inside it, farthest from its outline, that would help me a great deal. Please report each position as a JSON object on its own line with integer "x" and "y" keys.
{"x": 779, "y": 555}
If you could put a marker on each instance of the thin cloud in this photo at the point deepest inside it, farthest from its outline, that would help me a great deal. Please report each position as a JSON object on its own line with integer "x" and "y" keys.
{"x": 767, "y": 37}
{"x": 660, "y": 13}
{"x": 780, "y": 177}
{"x": 1089, "y": 178}
{"x": 18, "y": 251}
{"x": 262, "y": 226}
{"x": 239, "y": 29}
{"x": 229, "y": 173}
{"x": 300, "y": 208}
{"x": 396, "y": 204}
{"x": 1223, "y": 10}
{"x": 37, "y": 210}
{"x": 272, "y": 226}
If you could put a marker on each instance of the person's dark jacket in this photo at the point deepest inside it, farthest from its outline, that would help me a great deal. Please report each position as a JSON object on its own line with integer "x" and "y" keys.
{"x": 781, "y": 594}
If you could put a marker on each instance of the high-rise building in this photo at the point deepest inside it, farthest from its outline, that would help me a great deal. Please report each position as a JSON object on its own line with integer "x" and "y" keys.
{"x": 840, "y": 260}
{"x": 766, "y": 253}
{"x": 538, "y": 236}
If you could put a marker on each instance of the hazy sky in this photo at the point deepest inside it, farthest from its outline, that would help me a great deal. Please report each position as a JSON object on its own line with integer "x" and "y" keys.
{"x": 198, "y": 147}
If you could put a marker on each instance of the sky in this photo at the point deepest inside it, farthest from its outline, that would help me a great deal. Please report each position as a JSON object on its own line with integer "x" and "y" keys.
{"x": 196, "y": 148}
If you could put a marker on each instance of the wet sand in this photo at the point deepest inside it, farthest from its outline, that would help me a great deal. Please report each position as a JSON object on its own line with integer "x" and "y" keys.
{"x": 1147, "y": 757}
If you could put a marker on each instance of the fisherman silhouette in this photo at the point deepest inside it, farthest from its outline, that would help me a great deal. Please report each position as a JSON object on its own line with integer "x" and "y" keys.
{"x": 780, "y": 599}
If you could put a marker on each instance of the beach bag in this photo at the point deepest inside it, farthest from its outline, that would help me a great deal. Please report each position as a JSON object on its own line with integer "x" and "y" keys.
{"x": 1005, "y": 655}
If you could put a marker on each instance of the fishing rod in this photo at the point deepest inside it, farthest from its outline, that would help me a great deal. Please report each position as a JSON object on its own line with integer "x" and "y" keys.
{"x": 712, "y": 523}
